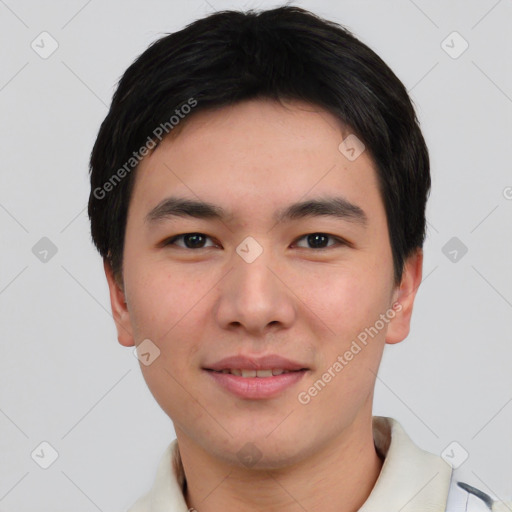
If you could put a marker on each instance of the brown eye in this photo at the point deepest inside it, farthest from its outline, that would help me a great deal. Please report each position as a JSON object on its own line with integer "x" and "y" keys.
{"x": 319, "y": 240}
{"x": 190, "y": 240}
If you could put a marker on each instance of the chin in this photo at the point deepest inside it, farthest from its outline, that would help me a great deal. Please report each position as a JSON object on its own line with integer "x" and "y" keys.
{"x": 258, "y": 451}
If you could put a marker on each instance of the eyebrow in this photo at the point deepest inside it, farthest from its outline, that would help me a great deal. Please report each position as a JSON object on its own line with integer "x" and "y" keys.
{"x": 337, "y": 207}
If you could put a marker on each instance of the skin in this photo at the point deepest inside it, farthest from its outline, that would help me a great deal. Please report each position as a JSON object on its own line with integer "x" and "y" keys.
{"x": 307, "y": 304}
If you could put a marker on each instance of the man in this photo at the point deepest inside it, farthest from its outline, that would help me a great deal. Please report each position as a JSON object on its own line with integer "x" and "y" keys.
{"x": 258, "y": 195}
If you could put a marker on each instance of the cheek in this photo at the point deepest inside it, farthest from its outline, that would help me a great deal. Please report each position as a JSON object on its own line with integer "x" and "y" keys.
{"x": 166, "y": 311}
{"x": 348, "y": 304}
{"x": 157, "y": 300}
{"x": 351, "y": 347}
{"x": 167, "y": 307}
{"x": 344, "y": 300}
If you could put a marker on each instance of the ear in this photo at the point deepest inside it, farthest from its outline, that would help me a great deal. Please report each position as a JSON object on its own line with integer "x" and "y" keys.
{"x": 403, "y": 298}
{"x": 119, "y": 308}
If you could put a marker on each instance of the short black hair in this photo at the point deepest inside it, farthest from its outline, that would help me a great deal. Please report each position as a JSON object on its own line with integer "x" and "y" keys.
{"x": 286, "y": 53}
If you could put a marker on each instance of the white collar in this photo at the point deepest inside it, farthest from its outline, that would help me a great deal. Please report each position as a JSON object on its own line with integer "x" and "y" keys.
{"x": 411, "y": 479}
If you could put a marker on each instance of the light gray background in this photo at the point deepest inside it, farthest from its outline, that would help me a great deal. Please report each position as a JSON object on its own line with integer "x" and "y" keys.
{"x": 64, "y": 378}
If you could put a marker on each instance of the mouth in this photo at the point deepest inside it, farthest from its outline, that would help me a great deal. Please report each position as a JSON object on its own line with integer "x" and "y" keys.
{"x": 251, "y": 384}
{"x": 255, "y": 377}
{"x": 250, "y": 373}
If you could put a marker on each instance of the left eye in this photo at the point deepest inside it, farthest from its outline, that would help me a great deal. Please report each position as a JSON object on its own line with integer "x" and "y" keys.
{"x": 196, "y": 240}
{"x": 317, "y": 240}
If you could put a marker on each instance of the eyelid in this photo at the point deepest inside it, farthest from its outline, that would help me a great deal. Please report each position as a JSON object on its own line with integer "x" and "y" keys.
{"x": 339, "y": 241}
{"x": 171, "y": 240}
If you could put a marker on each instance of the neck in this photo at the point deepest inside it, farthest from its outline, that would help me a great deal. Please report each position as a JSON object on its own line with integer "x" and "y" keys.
{"x": 338, "y": 477}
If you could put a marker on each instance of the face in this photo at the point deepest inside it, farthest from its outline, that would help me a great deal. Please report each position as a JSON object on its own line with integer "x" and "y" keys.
{"x": 314, "y": 287}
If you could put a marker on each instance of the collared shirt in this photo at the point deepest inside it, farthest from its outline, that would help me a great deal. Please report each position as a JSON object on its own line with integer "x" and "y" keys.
{"x": 411, "y": 479}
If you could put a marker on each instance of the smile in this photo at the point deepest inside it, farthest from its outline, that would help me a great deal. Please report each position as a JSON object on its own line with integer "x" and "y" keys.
{"x": 256, "y": 384}
{"x": 254, "y": 373}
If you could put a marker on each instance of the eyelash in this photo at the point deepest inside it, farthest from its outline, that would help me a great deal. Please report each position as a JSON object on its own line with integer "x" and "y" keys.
{"x": 339, "y": 241}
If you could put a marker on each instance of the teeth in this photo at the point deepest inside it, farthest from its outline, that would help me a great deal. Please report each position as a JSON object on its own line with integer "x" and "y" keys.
{"x": 255, "y": 373}
{"x": 263, "y": 373}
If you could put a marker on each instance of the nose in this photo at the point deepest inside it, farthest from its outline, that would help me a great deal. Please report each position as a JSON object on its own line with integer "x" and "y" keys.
{"x": 254, "y": 297}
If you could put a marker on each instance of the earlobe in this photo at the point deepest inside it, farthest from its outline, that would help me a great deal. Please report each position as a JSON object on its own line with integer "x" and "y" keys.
{"x": 119, "y": 307}
{"x": 404, "y": 296}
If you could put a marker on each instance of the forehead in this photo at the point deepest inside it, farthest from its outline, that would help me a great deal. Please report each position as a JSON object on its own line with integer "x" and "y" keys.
{"x": 253, "y": 154}
{"x": 258, "y": 121}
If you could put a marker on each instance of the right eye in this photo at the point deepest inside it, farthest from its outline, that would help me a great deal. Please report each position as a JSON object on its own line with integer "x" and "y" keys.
{"x": 191, "y": 241}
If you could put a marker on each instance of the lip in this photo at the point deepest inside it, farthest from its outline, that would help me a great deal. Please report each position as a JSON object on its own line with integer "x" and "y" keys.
{"x": 256, "y": 363}
{"x": 256, "y": 388}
